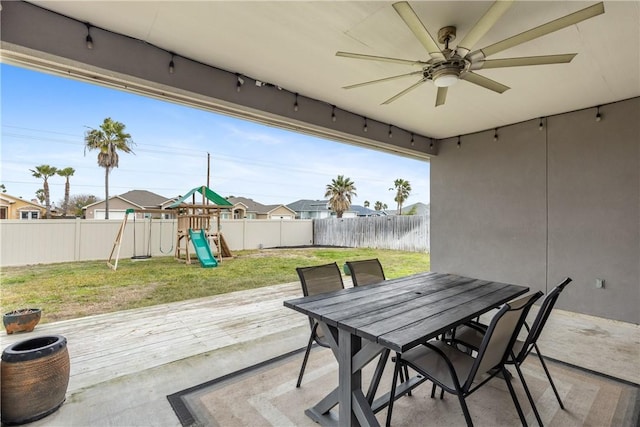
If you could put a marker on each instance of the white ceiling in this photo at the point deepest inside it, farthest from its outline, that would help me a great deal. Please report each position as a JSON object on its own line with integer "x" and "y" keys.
{"x": 292, "y": 45}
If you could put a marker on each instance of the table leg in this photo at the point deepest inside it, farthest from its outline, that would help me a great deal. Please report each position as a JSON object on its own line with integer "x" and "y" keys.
{"x": 377, "y": 376}
{"x": 354, "y": 409}
{"x": 352, "y": 356}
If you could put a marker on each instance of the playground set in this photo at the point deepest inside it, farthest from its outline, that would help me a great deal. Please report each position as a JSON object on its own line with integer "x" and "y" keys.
{"x": 194, "y": 226}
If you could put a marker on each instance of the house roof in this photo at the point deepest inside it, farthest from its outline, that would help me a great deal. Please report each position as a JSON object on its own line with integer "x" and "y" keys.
{"x": 142, "y": 199}
{"x": 250, "y": 204}
{"x": 305, "y": 205}
{"x": 253, "y": 206}
{"x": 9, "y": 199}
{"x": 362, "y": 211}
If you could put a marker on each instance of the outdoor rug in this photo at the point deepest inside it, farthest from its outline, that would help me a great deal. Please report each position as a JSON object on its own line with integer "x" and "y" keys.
{"x": 266, "y": 395}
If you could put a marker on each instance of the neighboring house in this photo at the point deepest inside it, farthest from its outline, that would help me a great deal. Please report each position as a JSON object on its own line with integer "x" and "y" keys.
{"x": 244, "y": 208}
{"x": 362, "y": 211}
{"x": 16, "y": 208}
{"x": 134, "y": 199}
{"x": 311, "y": 209}
{"x": 317, "y": 209}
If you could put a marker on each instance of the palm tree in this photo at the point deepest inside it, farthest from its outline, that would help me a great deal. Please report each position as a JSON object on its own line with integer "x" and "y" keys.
{"x": 402, "y": 188}
{"x": 45, "y": 172}
{"x": 366, "y": 204}
{"x": 66, "y": 173}
{"x": 108, "y": 139}
{"x": 379, "y": 206}
{"x": 340, "y": 192}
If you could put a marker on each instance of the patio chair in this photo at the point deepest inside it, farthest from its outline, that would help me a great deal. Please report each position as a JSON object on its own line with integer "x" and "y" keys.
{"x": 317, "y": 280}
{"x": 471, "y": 335}
{"x": 456, "y": 371}
{"x": 366, "y": 272}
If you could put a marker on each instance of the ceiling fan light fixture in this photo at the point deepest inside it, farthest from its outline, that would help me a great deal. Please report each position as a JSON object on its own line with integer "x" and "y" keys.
{"x": 446, "y": 79}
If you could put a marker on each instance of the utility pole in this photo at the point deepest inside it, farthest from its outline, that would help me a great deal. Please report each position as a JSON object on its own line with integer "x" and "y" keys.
{"x": 208, "y": 167}
{"x": 208, "y": 173}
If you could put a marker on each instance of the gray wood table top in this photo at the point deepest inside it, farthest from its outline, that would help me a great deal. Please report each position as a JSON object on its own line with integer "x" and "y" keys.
{"x": 401, "y": 313}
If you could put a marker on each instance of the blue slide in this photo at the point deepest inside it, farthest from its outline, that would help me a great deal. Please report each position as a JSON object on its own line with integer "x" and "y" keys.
{"x": 203, "y": 250}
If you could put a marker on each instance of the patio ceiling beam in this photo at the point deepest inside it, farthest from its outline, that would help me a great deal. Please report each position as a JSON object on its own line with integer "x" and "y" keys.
{"x": 36, "y": 38}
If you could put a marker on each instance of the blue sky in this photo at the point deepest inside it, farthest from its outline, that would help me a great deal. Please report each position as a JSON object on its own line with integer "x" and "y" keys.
{"x": 44, "y": 118}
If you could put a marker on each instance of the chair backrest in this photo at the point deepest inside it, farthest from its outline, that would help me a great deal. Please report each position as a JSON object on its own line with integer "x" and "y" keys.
{"x": 320, "y": 279}
{"x": 316, "y": 280}
{"x": 500, "y": 336}
{"x": 366, "y": 272}
{"x": 541, "y": 318}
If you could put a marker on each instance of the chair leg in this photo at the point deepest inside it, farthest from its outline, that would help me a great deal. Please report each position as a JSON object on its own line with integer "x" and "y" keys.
{"x": 526, "y": 389}
{"x": 434, "y": 387}
{"x": 392, "y": 395}
{"x": 406, "y": 375}
{"x": 304, "y": 361}
{"x": 546, "y": 371}
{"x": 465, "y": 410}
{"x": 513, "y": 396}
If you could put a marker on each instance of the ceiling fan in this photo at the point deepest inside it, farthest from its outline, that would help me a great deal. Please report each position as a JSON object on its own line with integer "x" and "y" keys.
{"x": 446, "y": 66}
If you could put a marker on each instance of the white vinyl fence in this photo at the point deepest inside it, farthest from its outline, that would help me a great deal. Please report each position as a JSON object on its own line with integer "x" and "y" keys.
{"x": 50, "y": 241}
{"x": 405, "y": 232}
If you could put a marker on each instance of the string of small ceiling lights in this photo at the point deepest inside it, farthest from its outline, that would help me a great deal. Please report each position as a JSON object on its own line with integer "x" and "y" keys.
{"x": 240, "y": 82}
{"x": 541, "y": 122}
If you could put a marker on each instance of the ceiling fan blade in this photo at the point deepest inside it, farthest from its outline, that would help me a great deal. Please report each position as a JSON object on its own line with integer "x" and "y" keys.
{"x": 483, "y": 81}
{"x": 380, "y": 58}
{"x": 404, "y": 92}
{"x": 544, "y": 29}
{"x": 417, "y": 28}
{"x": 481, "y": 27}
{"x": 386, "y": 79}
{"x": 441, "y": 97}
{"x": 523, "y": 61}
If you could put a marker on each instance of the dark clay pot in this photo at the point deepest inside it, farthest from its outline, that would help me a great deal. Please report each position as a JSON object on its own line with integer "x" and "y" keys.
{"x": 21, "y": 320}
{"x": 35, "y": 376}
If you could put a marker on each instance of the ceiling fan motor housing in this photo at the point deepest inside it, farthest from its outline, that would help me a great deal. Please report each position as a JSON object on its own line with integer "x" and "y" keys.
{"x": 445, "y": 73}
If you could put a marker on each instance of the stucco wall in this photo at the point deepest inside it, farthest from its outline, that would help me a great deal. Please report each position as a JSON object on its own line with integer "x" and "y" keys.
{"x": 538, "y": 205}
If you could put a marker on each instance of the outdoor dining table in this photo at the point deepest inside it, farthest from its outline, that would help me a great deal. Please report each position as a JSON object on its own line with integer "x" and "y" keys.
{"x": 393, "y": 315}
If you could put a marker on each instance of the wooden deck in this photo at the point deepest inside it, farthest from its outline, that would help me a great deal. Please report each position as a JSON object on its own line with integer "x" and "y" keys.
{"x": 107, "y": 346}
{"x": 124, "y": 364}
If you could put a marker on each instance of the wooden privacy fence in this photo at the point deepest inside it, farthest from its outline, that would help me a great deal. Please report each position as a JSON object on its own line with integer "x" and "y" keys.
{"x": 406, "y": 233}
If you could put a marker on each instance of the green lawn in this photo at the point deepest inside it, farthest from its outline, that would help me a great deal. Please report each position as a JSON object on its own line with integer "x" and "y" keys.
{"x": 70, "y": 290}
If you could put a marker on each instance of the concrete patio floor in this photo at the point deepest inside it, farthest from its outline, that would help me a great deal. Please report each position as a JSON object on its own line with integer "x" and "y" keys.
{"x": 124, "y": 364}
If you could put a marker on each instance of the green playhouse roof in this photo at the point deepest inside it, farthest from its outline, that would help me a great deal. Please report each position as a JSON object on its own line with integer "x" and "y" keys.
{"x": 214, "y": 197}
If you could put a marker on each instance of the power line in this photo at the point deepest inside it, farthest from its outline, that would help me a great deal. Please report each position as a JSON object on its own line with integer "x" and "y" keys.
{"x": 271, "y": 166}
